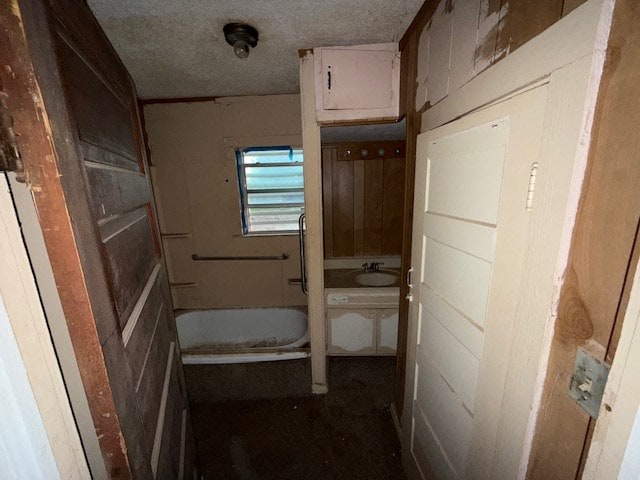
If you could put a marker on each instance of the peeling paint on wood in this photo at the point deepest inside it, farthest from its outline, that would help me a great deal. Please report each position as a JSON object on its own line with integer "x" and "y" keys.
{"x": 439, "y": 54}
{"x": 490, "y": 22}
{"x": 524, "y": 20}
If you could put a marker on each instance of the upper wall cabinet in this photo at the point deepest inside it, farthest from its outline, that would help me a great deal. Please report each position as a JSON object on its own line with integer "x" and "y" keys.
{"x": 357, "y": 83}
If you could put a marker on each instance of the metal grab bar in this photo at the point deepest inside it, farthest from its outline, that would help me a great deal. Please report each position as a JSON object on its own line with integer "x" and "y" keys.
{"x": 303, "y": 260}
{"x": 283, "y": 256}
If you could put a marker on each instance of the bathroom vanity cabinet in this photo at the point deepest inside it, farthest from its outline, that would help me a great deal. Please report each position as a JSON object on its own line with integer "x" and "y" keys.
{"x": 362, "y": 331}
{"x": 362, "y": 321}
{"x": 359, "y": 82}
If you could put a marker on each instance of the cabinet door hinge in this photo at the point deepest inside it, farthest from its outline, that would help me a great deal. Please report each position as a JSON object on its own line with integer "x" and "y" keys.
{"x": 532, "y": 186}
{"x": 10, "y": 160}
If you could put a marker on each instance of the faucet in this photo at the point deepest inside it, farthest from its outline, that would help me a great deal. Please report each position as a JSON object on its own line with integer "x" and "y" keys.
{"x": 372, "y": 267}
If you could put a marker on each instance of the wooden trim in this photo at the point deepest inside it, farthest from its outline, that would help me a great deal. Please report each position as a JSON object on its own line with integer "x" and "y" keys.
{"x": 157, "y": 441}
{"x": 413, "y": 126}
{"x": 610, "y": 449}
{"x": 151, "y": 101}
{"x": 313, "y": 210}
{"x": 350, "y": 151}
{"x": 215, "y": 98}
{"x": 132, "y": 321}
{"x": 593, "y": 297}
{"x": 150, "y": 346}
{"x": 183, "y": 444}
{"x": 327, "y": 199}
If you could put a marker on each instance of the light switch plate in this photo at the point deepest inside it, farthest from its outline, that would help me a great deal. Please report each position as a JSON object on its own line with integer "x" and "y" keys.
{"x": 588, "y": 381}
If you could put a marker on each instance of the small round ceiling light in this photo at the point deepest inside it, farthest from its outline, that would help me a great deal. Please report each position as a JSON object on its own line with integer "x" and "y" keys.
{"x": 241, "y": 37}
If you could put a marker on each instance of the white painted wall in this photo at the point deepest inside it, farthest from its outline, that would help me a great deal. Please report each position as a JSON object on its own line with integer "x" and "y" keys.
{"x": 38, "y": 434}
{"x": 57, "y": 324}
{"x": 630, "y": 469}
{"x": 195, "y": 180}
{"x": 25, "y": 452}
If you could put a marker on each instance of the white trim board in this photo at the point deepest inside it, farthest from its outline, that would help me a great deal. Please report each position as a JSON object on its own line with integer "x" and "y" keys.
{"x": 41, "y": 433}
{"x": 57, "y": 323}
{"x": 314, "y": 252}
{"x": 617, "y": 434}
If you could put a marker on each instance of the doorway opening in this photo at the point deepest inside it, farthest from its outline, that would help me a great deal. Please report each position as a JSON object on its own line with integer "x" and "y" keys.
{"x": 363, "y": 209}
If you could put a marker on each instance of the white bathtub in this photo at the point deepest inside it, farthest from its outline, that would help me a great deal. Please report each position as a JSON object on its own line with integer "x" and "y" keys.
{"x": 242, "y": 335}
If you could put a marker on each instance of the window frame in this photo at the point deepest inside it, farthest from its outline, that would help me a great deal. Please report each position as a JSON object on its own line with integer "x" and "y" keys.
{"x": 244, "y": 191}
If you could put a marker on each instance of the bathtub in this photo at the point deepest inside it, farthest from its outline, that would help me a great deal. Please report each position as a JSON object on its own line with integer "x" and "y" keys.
{"x": 242, "y": 335}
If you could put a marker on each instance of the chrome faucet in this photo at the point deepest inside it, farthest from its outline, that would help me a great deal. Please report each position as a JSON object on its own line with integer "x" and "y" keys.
{"x": 372, "y": 267}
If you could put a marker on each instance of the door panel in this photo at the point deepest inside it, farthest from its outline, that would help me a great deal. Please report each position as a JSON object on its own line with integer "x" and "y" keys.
{"x": 387, "y": 341}
{"x": 98, "y": 186}
{"x": 357, "y": 79}
{"x": 463, "y": 214}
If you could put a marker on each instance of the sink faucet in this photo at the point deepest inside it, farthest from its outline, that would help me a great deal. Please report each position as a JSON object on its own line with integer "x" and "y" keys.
{"x": 372, "y": 267}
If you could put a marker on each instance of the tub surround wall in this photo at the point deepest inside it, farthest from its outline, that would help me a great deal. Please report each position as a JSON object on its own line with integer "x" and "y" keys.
{"x": 196, "y": 186}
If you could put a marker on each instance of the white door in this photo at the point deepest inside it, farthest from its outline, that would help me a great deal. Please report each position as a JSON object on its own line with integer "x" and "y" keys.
{"x": 469, "y": 233}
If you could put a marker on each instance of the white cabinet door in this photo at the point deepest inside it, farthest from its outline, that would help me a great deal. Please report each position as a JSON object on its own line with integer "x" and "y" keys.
{"x": 357, "y": 83}
{"x": 351, "y": 332}
{"x": 387, "y": 337}
{"x": 356, "y": 79}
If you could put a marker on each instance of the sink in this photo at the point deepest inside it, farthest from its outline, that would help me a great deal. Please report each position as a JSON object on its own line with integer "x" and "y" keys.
{"x": 376, "y": 279}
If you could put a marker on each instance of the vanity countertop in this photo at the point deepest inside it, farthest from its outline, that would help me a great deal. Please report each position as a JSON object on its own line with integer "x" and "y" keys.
{"x": 346, "y": 278}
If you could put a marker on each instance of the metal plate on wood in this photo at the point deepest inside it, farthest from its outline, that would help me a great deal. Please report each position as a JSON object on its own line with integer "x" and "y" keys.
{"x": 588, "y": 381}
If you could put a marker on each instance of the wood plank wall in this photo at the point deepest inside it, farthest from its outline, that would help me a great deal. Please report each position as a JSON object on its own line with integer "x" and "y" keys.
{"x": 601, "y": 265}
{"x": 502, "y": 28}
{"x": 362, "y": 200}
{"x": 95, "y": 206}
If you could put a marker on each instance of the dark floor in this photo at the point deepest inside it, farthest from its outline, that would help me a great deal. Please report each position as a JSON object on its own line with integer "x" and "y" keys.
{"x": 270, "y": 428}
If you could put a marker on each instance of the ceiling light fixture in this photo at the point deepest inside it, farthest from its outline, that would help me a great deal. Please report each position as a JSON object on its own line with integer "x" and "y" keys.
{"x": 241, "y": 37}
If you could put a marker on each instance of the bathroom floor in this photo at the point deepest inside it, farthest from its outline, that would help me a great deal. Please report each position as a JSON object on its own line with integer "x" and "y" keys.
{"x": 279, "y": 431}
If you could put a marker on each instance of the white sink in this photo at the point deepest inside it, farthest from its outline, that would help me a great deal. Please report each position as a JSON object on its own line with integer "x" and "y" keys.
{"x": 376, "y": 279}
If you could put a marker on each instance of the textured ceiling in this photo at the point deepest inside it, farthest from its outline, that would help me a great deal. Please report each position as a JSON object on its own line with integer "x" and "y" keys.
{"x": 175, "y": 48}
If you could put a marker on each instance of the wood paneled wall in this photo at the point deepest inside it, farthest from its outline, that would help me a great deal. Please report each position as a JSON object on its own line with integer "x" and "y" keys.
{"x": 92, "y": 193}
{"x": 362, "y": 201}
{"x": 601, "y": 263}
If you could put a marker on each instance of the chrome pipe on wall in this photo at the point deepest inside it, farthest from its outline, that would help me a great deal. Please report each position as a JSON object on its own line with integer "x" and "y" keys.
{"x": 303, "y": 261}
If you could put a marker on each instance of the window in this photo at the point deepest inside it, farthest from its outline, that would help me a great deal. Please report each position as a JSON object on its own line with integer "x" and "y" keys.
{"x": 271, "y": 189}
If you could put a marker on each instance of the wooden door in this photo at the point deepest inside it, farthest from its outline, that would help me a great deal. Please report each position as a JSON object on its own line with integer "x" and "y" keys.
{"x": 470, "y": 226}
{"x": 77, "y": 121}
